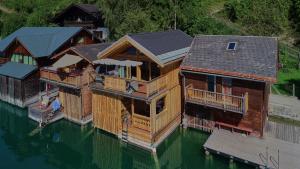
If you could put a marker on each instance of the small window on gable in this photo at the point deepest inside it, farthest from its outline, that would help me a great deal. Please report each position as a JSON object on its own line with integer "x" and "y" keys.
{"x": 80, "y": 40}
{"x": 161, "y": 105}
{"x": 231, "y": 46}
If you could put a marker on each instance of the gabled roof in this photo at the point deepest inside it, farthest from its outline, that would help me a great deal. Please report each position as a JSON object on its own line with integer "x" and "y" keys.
{"x": 40, "y": 41}
{"x": 90, "y": 52}
{"x": 253, "y": 58}
{"x": 17, "y": 70}
{"x": 161, "y": 47}
{"x": 93, "y": 10}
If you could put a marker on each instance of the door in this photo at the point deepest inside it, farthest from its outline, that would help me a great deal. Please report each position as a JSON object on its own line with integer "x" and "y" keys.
{"x": 227, "y": 89}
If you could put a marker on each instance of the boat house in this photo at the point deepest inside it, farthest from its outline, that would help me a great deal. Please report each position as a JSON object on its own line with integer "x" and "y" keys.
{"x": 137, "y": 92}
{"x": 71, "y": 76}
{"x": 83, "y": 15}
{"x": 28, "y": 49}
{"x": 227, "y": 82}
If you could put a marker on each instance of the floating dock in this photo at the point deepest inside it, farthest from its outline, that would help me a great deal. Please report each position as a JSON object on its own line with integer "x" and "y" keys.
{"x": 263, "y": 152}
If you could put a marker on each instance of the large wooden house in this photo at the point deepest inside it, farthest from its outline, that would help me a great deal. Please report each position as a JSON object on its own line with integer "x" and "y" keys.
{"x": 27, "y": 50}
{"x": 137, "y": 93}
{"x": 227, "y": 82}
{"x": 70, "y": 74}
{"x": 83, "y": 15}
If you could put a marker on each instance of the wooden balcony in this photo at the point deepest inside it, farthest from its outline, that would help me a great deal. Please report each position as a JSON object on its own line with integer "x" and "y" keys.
{"x": 141, "y": 122}
{"x": 132, "y": 87}
{"x": 67, "y": 79}
{"x": 238, "y": 104}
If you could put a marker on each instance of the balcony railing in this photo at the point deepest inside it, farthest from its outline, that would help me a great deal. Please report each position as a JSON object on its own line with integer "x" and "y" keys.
{"x": 130, "y": 86}
{"x": 141, "y": 122}
{"x": 3, "y": 60}
{"x": 226, "y": 102}
{"x": 73, "y": 79}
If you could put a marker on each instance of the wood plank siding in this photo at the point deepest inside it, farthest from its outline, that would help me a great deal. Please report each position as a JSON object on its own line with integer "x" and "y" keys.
{"x": 256, "y": 104}
{"x": 111, "y": 101}
{"x": 17, "y": 91}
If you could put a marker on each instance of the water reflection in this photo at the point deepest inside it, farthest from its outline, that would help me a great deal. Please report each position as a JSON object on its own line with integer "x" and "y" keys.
{"x": 64, "y": 145}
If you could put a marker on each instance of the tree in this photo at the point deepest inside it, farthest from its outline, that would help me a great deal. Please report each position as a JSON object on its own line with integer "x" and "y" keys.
{"x": 136, "y": 21}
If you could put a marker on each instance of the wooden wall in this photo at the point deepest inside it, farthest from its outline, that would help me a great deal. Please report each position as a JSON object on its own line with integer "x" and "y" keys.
{"x": 107, "y": 112}
{"x": 71, "y": 101}
{"x": 258, "y": 95}
{"x": 86, "y": 101}
{"x": 18, "y": 48}
{"x": 17, "y": 91}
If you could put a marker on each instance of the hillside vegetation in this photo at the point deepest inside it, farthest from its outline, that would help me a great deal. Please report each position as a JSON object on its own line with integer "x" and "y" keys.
{"x": 252, "y": 17}
{"x": 279, "y": 18}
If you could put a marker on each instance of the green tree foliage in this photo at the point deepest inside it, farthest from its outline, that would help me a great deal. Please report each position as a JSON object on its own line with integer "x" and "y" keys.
{"x": 257, "y": 17}
{"x": 136, "y": 21}
{"x": 261, "y": 17}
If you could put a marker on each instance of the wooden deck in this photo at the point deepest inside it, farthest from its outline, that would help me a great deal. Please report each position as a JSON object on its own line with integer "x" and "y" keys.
{"x": 253, "y": 150}
{"x": 40, "y": 115}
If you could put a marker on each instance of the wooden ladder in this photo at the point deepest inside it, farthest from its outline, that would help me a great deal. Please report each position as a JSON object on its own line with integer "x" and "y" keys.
{"x": 125, "y": 121}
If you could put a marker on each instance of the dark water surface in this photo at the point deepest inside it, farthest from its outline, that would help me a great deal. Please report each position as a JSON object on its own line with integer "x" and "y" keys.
{"x": 64, "y": 145}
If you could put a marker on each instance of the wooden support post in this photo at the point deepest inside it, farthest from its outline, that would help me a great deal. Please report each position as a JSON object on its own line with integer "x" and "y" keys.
{"x": 150, "y": 71}
{"x": 138, "y": 73}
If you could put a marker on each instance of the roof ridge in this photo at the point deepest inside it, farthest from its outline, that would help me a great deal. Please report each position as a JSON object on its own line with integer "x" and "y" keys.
{"x": 254, "y": 36}
{"x": 142, "y": 33}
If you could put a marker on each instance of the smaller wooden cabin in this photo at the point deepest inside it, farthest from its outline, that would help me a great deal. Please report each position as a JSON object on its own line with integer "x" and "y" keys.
{"x": 18, "y": 83}
{"x": 227, "y": 82}
{"x": 71, "y": 74}
{"x": 83, "y": 15}
{"x": 137, "y": 92}
{"x": 32, "y": 47}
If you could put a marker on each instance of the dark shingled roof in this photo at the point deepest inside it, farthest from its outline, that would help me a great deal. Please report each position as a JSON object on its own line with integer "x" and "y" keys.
{"x": 162, "y": 42}
{"x": 254, "y": 57}
{"x": 88, "y": 8}
{"x": 17, "y": 70}
{"x": 90, "y": 51}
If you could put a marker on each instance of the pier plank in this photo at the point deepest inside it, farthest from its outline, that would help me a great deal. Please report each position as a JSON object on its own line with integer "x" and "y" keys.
{"x": 251, "y": 149}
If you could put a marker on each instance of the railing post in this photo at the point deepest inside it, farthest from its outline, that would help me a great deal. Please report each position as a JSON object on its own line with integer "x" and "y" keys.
{"x": 224, "y": 101}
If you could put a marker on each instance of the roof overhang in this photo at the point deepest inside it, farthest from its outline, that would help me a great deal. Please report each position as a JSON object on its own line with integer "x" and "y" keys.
{"x": 229, "y": 74}
{"x": 69, "y": 7}
{"x": 126, "y": 41}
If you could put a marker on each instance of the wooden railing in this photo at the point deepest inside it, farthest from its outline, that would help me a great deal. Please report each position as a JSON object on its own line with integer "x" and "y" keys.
{"x": 148, "y": 88}
{"x": 156, "y": 85}
{"x": 237, "y": 104}
{"x": 141, "y": 122}
{"x": 111, "y": 82}
{"x": 3, "y": 60}
{"x": 69, "y": 79}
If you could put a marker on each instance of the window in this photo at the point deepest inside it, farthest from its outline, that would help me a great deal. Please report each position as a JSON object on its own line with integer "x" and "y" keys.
{"x": 161, "y": 105}
{"x": 25, "y": 61}
{"x": 211, "y": 83}
{"x": 80, "y": 40}
{"x": 226, "y": 85}
{"x": 231, "y": 46}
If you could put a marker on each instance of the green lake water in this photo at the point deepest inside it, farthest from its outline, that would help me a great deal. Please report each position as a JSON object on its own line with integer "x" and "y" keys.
{"x": 64, "y": 145}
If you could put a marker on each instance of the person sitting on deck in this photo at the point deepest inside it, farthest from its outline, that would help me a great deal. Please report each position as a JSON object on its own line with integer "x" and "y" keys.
{"x": 56, "y": 105}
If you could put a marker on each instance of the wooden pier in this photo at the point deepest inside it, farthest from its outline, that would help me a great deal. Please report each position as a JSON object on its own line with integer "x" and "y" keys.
{"x": 263, "y": 152}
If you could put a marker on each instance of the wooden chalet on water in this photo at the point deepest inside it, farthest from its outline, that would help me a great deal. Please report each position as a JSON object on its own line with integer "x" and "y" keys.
{"x": 137, "y": 92}
{"x": 28, "y": 49}
{"x": 83, "y": 15}
{"x": 227, "y": 82}
{"x": 71, "y": 75}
